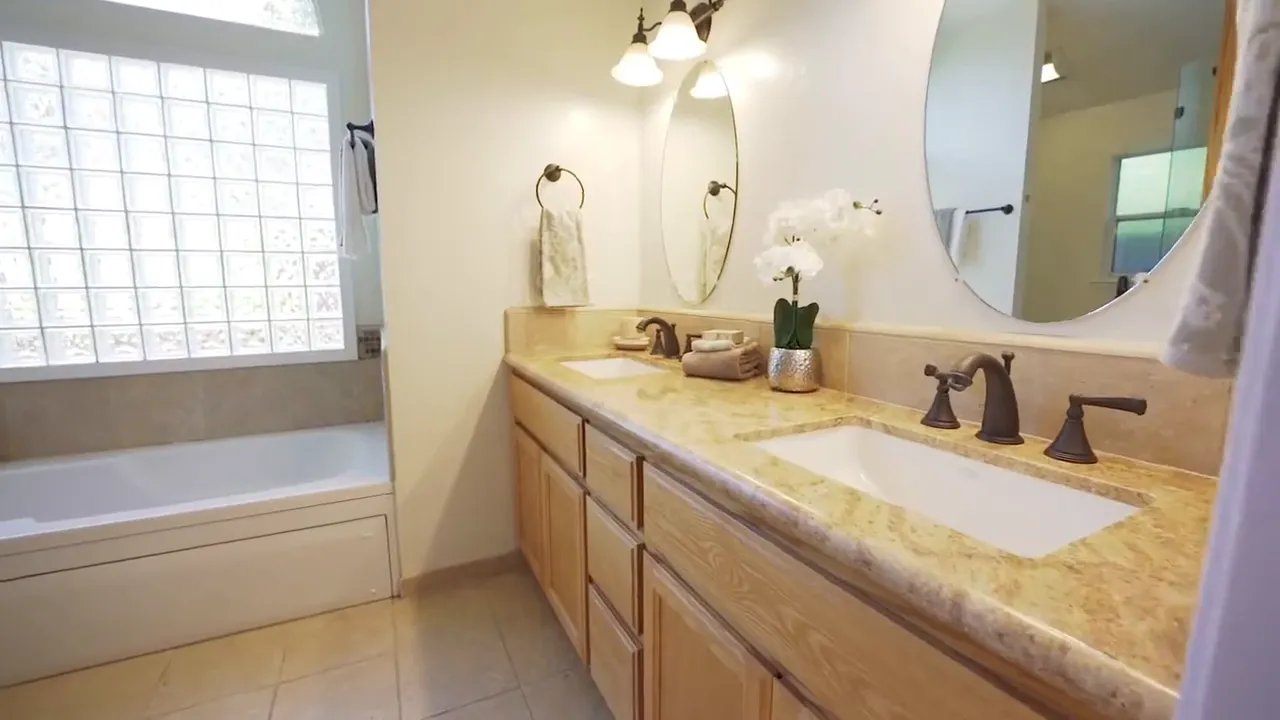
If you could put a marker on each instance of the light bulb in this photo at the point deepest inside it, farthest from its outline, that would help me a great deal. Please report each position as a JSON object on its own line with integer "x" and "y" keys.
{"x": 677, "y": 38}
{"x": 710, "y": 85}
{"x": 637, "y": 68}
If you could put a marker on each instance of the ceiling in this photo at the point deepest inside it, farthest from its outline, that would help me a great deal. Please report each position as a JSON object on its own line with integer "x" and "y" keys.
{"x": 1112, "y": 50}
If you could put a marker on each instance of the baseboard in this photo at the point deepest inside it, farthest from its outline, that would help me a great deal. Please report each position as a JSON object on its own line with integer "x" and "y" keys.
{"x": 458, "y": 574}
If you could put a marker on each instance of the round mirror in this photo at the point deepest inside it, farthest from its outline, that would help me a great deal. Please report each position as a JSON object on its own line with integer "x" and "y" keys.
{"x": 1070, "y": 144}
{"x": 699, "y": 183}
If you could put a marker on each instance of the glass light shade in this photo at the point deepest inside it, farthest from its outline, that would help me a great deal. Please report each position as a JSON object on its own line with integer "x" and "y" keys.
{"x": 710, "y": 85}
{"x": 1049, "y": 72}
{"x": 637, "y": 67}
{"x": 677, "y": 38}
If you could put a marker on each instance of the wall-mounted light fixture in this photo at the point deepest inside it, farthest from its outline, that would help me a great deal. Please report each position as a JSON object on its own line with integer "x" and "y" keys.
{"x": 709, "y": 86}
{"x": 1049, "y": 70}
{"x": 682, "y": 35}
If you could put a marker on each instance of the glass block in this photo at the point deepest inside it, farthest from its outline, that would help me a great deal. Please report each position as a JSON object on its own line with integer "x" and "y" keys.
{"x": 322, "y": 269}
{"x": 18, "y": 309}
{"x": 144, "y": 154}
{"x": 94, "y": 150}
{"x": 241, "y": 233}
{"x": 247, "y": 303}
{"x": 324, "y": 302}
{"x": 316, "y": 201}
{"x": 327, "y": 335}
{"x": 193, "y": 195}
{"x": 191, "y": 157}
{"x": 146, "y": 193}
{"x": 237, "y": 197}
{"x": 231, "y": 124}
{"x": 233, "y": 162}
{"x": 182, "y": 81}
{"x": 272, "y": 128}
{"x": 13, "y": 231}
{"x": 42, "y": 146}
{"x": 269, "y": 92}
{"x": 312, "y": 133}
{"x": 15, "y": 269}
{"x": 7, "y": 154}
{"x": 186, "y": 119}
{"x": 278, "y": 199}
{"x": 90, "y": 110}
{"x": 289, "y": 336}
{"x": 98, "y": 190}
{"x": 151, "y": 231}
{"x": 206, "y": 305}
{"x": 197, "y": 232}
{"x": 119, "y": 344}
{"x": 288, "y": 303}
{"x": 277, "y": 165}
{"x": 163, "y": 342}
{"x": 103, "y": 230}
{"x": 201, "y": 269}
{"x": 281, "y": 235}
{"x": 109, "y": 268}
{"x": 250, "y": 338}
{"x": 31, "y": 62}
{"x": 70, "y": 346}
{"x": 209, "y": 340}
{"x": 284, "y": 269}
{"x": 113, "y": 307}
{"x": 52, "y": 228}
{"x": 21, "y": 348}
{"x": 310, "y": 97}
{"x": 156, "y": 269}
{"x": 139, "y": 77}
{"x": 35, "y": 104}
{"x": 244, "y": 269}
{"x": 315, "y": 167}
{"x": 85, "y": 70}
{"x": 47, "y": 188}
{"x": 4, "y": 104}
{"x": 64, "y": 308}
{"x": 9, "y": 193}
{"x": 319, "y": 236}
{"x": 58, "y": 268}
{"x": 137, "y": 114}
{"x": 231, "y": 88}
{"x": 159, "y": 306}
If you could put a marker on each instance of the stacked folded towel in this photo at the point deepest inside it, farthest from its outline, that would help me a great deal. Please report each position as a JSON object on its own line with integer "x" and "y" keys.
{"x": 742, "y": 362}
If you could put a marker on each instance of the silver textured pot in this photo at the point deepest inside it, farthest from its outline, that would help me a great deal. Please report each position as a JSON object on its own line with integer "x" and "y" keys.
{"x": 796, "y": 371}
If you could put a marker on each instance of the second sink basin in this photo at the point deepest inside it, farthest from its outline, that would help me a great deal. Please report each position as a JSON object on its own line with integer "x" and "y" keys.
{"x": 611, "y": 368}
{"x": 1017, "y": 513}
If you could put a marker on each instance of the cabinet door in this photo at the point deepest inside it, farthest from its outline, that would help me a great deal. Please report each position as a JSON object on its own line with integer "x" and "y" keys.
{"x": 531, "y": 495}
{"x": 694, "y": 668}
{"x": 566, "y": 558}
{"x": 786, "y": 706}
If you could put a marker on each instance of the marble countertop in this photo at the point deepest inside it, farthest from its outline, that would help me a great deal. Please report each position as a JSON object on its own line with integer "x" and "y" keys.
{"x": 1104, "y": 620}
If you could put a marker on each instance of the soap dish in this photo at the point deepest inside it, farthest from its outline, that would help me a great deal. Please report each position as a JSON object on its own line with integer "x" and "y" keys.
{"x": 631, "y": 343}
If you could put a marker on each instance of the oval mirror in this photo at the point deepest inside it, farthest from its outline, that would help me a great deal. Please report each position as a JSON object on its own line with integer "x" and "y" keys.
{"x": 699, "y": 183}
{"x": 1068, "y": 143}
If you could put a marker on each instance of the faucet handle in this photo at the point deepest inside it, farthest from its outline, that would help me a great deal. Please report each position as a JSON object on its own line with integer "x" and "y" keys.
{"x": 1008, "y": 361}
{"x": 1072, "y": 444}
{"x": 1137, "y": 406}
{"x": 940, "y": 414}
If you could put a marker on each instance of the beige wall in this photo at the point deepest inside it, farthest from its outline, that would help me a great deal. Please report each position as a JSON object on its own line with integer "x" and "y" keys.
{"x": 473, "y": 99}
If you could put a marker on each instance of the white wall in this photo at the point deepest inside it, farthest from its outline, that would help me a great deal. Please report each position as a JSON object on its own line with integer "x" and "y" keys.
{"x": 832, "y": 94}
{"x": 473, "y": 99}
{"x": 982, "y": 87}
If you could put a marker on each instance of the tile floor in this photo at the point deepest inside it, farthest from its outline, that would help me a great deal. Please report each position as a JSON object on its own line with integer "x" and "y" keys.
{"x": 484, "y": 650}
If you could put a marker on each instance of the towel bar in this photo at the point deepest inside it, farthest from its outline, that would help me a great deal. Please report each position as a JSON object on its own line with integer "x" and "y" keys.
{"x": 551, "y": 173}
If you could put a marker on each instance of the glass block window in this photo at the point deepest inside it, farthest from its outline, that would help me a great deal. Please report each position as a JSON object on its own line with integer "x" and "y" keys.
{"x": 1157, "y": 197}
{"x": 295, "y": 16}
{"x": 155, "y": 212}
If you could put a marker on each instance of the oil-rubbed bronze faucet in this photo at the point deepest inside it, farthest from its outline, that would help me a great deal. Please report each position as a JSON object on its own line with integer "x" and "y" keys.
{"x": 665, "y": 342}
{"x": 1072, "y": 444}
{"x": 1000, "y": 411}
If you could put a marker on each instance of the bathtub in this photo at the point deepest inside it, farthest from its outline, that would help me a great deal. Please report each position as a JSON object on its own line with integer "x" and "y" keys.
{"x": 110, "y": 555}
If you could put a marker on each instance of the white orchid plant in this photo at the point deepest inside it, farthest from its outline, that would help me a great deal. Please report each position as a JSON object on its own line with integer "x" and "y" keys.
{"x": 794, "y": 227}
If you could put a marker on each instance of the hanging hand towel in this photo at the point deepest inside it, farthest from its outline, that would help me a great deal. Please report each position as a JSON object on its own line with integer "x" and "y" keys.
{"x": 715, "y": 249}
{"x": 951, "y": 228}
{"x": 356, "y": 198}
{"x": 1209, "y": 332}
{"x": 562, "y": 259}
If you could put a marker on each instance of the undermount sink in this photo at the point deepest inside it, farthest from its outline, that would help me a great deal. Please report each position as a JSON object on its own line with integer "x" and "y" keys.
{"x": 611, "y": 368}
{"x": 1017, "y": 513}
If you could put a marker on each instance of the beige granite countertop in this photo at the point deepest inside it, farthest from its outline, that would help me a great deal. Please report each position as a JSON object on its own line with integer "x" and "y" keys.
{"x": 1104, "y": 620}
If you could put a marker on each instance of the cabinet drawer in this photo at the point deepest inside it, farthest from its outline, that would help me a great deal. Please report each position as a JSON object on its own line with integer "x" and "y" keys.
{"x": 613, "y": 474}
{"x": 613, "y": 563}
{"x": 855, "y": 661}
{"x": 615, "y": 660}
{"x": 556, "y": 427}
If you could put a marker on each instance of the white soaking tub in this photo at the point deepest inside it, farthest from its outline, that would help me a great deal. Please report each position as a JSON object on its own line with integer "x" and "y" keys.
{"x": 110, "y": 555}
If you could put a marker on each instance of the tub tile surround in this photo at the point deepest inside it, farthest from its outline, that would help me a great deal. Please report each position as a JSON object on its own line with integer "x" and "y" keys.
{"x": 61, "y": 417}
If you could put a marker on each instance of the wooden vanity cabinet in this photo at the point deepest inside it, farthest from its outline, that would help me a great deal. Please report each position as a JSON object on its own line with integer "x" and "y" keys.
{"x": 531, "y": 493}
{"x": 786, "y": 706}
{"x": 565, "y": 564}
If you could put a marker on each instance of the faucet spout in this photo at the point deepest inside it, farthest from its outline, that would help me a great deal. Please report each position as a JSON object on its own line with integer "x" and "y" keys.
{"x": 665, "y": 341}
{"x": 1000, "y": 423}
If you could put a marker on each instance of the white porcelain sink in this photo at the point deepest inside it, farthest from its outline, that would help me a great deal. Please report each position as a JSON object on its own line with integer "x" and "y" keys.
{"x": 1019, "y": 514}
{"x": 611, "y": 368}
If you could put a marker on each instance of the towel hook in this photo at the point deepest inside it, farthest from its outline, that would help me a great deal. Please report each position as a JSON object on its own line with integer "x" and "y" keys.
{"x": 713, "y": 190}
{"x": 551, "y": 173}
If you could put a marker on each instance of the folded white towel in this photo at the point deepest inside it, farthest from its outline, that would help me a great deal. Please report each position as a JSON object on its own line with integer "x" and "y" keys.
{"x": 562, "y": 259}
{"x": 356, "y": 195}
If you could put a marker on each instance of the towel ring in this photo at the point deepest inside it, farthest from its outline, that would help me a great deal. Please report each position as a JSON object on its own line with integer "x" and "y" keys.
{"x": 713, "y": 190}
{"x": 551, "y": 173}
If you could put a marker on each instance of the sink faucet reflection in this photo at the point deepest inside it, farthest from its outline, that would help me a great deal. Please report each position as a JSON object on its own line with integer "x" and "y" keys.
{"x": 665, "y": 342}
{"x": 1000, "y": 423}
